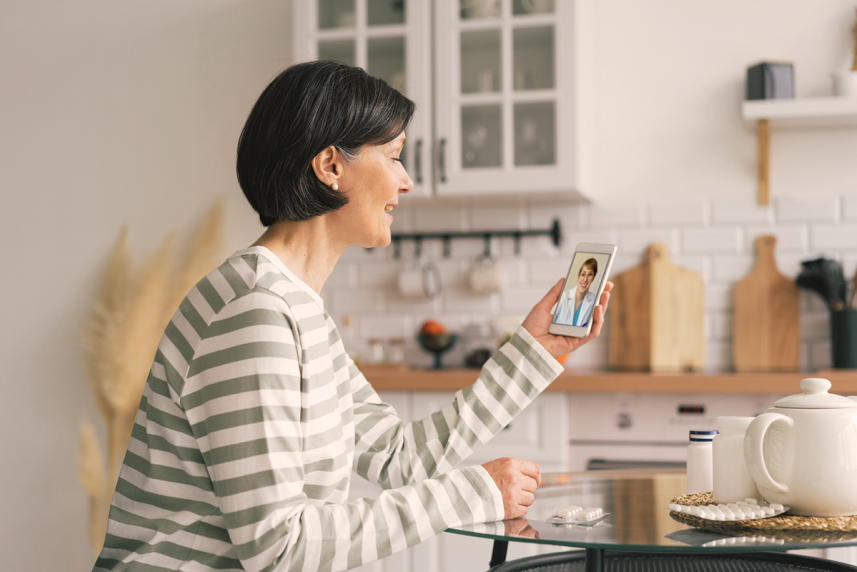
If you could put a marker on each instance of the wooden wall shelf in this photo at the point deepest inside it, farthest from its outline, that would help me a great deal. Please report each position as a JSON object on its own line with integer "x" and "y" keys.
{"x": 844, "y": 381}
{"x": 779, "y": 113}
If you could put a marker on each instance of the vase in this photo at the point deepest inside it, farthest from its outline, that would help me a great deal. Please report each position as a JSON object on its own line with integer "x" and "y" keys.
{"x": 845, "y": 84}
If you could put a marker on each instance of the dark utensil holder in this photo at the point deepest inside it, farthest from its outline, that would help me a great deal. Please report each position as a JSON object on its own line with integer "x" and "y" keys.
{"x": 843, "y": 338}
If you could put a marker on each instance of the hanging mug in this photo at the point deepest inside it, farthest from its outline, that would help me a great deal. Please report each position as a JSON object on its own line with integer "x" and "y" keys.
{"x": 487, "y": 276}
{"x": 419, "y": 281}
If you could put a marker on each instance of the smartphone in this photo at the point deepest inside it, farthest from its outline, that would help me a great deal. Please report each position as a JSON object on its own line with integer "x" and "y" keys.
{"x": 582, "y": 289}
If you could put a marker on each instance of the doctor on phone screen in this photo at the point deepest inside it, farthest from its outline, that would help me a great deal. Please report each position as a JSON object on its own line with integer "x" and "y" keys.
{"x": 575, "y": 305}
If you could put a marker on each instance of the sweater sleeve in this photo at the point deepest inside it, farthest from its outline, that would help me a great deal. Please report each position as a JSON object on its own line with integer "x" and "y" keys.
{"x": 393, "y": 454}
{"x": 243, "y": 401}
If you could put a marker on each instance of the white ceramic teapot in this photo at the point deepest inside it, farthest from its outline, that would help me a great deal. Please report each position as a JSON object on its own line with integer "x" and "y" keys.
{"x": 803, "y": 452}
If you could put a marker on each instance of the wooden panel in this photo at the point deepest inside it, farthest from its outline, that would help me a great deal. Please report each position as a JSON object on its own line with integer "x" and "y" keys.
{"x": 657, "y": 317}
{"x": 766, "y": 332}
{"x": 844, "y": 381}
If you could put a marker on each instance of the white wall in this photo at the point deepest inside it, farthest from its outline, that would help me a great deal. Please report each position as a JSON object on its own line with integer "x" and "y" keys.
{"x": 669, "y": 79}
{"x": 128, "y": 112}
{"x": 111, "y": 113}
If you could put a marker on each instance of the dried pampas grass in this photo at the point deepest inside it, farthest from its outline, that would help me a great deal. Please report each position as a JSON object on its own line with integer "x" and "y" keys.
{"x": 130, "y": 313}
{"x": 854, "y": 38}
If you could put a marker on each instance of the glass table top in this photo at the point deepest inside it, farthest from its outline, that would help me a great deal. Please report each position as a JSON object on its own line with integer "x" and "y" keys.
{"x": 639, "y": 519}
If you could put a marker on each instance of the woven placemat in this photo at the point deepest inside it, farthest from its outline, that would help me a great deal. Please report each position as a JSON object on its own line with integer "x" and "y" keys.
{"x": 785, "y": 526}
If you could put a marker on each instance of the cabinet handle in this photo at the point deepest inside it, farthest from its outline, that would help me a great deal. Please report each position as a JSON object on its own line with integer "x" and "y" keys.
{"x": 418, "y": 161}
{"x": 441, "y": 160}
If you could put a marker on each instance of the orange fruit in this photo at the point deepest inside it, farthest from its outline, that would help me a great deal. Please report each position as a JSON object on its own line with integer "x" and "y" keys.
{"x": 432, "y": 328}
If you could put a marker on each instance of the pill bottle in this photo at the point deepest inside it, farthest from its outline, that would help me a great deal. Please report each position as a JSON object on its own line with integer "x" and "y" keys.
{"x": 732, "y": 480}
{"x": 700, "y": 461}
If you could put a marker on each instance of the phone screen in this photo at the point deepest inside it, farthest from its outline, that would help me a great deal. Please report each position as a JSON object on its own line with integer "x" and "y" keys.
{"x": 578, "y": 298}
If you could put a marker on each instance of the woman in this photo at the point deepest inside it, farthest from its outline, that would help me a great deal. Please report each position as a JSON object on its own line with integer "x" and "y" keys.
{"x": 254, "y": 416}
{"x": 576, "y": 304}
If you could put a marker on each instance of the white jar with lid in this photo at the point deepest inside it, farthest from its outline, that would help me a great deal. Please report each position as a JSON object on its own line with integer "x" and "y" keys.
{"x": 700, "y": 461}
{"x": 732, "y": 480}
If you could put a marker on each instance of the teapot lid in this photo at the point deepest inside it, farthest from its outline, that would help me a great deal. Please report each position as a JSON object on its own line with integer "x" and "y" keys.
{"x": 815, "y": 396}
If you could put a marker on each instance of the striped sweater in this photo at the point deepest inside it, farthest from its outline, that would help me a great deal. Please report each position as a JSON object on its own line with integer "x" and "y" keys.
{"x": 253, "y": 418}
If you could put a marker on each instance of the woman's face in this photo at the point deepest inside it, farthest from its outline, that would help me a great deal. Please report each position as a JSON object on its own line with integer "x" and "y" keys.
{"x": 372, "y": 183}
{"x": 584, "y": 279}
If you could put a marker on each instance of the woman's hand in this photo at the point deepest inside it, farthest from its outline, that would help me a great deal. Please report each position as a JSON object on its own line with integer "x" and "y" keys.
{"x": 539, "y": 319}
{"x": 517, "y": 481}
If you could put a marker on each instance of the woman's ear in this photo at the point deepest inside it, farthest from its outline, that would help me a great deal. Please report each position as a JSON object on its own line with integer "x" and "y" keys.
{"x": 328, "y": 166}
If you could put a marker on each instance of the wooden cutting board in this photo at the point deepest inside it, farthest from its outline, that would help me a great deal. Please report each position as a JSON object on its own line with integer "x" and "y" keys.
{"x": 766, "y": 322}
{"x": 657, "y": 315}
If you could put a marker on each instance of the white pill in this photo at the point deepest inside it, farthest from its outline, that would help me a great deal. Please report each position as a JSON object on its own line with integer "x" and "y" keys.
{"x": 675, "y": 507}
{"x": 777, "y": 506}
{"x": 695, "y": 511}
{"x": 739, "y": 515}
{"x": 732, "y": 505}
{"x": 722, "y": 506}
{"x": 707, "y": 514}
{"x": 742, "y": 503}
{"x": 768, "y": 511}
{"x": 565, "y": 513}
{"x": 730, "y": 541}
{"x": 751, "y": 501}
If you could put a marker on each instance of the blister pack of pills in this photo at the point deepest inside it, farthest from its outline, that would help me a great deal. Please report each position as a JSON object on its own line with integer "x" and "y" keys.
{"x": 747, "y": 509}
{"x": 587, "y": 516}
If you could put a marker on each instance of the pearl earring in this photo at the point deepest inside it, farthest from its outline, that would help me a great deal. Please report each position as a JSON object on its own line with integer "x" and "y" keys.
{"x": 334, "y": 186}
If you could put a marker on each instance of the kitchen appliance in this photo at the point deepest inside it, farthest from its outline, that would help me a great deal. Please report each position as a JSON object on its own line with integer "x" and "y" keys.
{"x": 645, "y": 430}
{"x": 803, "y": 451}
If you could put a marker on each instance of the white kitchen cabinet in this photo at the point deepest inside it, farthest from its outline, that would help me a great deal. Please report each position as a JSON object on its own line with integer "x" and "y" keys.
{"x": 497, "y": 83}
{"x": 539, "y": 433}
{"x": 390, "y": 39}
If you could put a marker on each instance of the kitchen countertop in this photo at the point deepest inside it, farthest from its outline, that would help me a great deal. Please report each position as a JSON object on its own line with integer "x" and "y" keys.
{"x": 844, "y": 382}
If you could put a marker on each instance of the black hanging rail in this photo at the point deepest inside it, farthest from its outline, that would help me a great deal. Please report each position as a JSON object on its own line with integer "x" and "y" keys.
{"x": 555, "y": 232}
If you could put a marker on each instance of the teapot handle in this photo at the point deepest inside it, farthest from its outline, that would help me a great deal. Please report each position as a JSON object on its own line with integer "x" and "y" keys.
{"x": 753, "y": 441}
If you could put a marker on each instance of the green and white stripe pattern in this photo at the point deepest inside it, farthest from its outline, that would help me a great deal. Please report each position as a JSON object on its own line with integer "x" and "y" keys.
{"x": 253, "y": 418}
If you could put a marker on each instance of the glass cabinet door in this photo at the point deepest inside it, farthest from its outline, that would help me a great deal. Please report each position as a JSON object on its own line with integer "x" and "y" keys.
{"x": 389, "y": 39}
{"x": 502, "y": 93}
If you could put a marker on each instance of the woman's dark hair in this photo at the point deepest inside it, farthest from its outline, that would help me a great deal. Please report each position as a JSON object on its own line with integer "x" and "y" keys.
{"x": 306, "y": 109}
{"x": 592, "y": 264}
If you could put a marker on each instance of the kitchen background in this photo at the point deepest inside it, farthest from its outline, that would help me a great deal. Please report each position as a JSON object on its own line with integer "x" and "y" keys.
{"x": 128, "y": 113}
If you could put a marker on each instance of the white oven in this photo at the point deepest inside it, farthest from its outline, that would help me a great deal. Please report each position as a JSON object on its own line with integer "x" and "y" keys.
{"x": 622, "y": 430}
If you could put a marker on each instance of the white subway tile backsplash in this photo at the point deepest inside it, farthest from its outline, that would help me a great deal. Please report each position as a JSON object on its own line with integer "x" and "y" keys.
{"x": 352, "y": 301}
{"x": 849, "y": 207}
{"x": 571, "y": 217}
{"x": 718, "y": 297}
{"x": 705, "y": 240}
{"x": 806, "y": 209}
{"x": 820, "y": 356}
{"x": 531, "y": 247}
{"x": 638, "y": 241}
{"x": 739, "y": 212}
{"x": 440, "y": 218}
{"x": 731, "y": 268}
{"x": 383, "y": 327}
{"x": 714, "y": 238}
{"x": 464, "y": 300}
{"x": 570, "y": 240}
{"x": 403, "y": 216}
{"x": 521, "y": 299}
{"x": 548, "y": 272}
{"x": 486, "y": 217}
{"x": 344, "y": 274}
{"x": 616, "y": 216}
{"x": 678, "y": 214}
{"x": 721, "y": 325}
{"x": 718, "y": 356}
{"x": 789, "y": 238}
{"x": 814, "y": 325}
{"x": 840, "y": 237}
{"x": 383, "y": 275}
